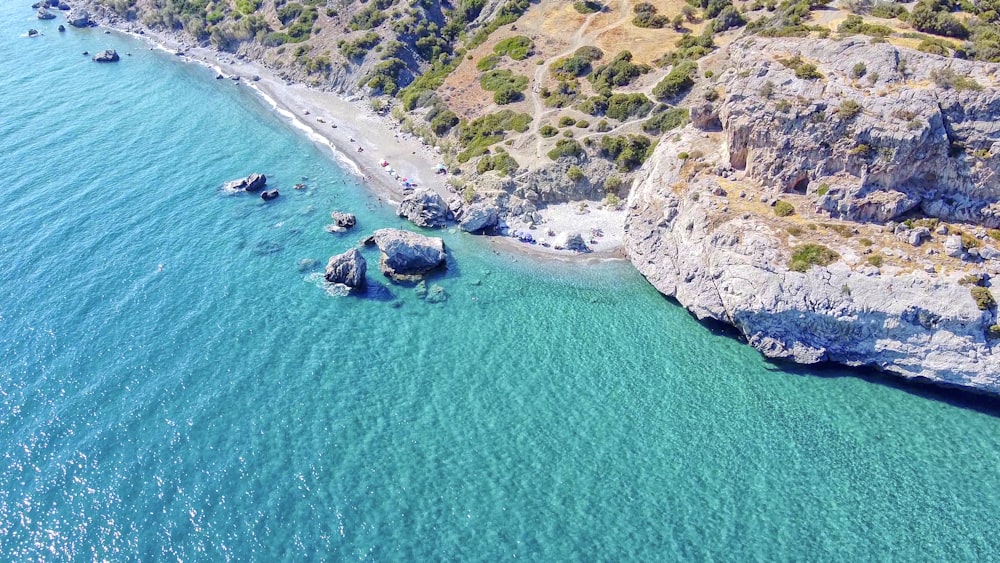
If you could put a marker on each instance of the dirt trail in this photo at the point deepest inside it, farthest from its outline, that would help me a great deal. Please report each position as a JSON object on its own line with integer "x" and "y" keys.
{"x": 579, "y": 39}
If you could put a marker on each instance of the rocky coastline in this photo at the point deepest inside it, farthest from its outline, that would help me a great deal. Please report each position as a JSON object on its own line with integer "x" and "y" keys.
{"x": 681, "y": 231}
{"x": 701, "y": 233}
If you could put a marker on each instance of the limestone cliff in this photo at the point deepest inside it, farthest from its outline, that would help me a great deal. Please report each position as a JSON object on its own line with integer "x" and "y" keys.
{"x": 701, "y": 228}
{"x": 888, "y": 130}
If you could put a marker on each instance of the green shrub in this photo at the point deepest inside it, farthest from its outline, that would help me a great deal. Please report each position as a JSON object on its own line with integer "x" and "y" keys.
{"x": 587, "y": 6}
{"x": 947, "y": 78}
{"x": 628, "y": 152}
{"x": 666, "y": 120}
{"x": 567, "y": 148}
{"x": 848, "y": 109}
{"x": 548, "y": 131}
{"x": 489, "y": 62}
{"x": 496, "y": 80}
{"x": 566, "y": 121}
{"x": 677, "y": 82}
{"x": 574, "y": 173}
{"x": 518, "y": 47}
{"x": 993, "y": 332}
{"x": 854, "y": 25}
{"x": 368, "y": 18}
{"x": 783, "y": 208}
{"x": 729, "y": 18}
{"x": 443, "y": 121}
{"x": 602, "y": 126}
{"x": 613, "y": 184}
{"x": 887, "y": 10}
{"x": 500, "y": 162}
{"x": 582, "y": 124}
{"x": 984, "y": 299}
{"x": 620, "y": 71}
{"x": 932, "y": 17}
{"x": 567, "y": 133}
{"x": 626, "y": 106}
{"x": 478, "y": 135}
{"x": 357, "y": 48}
{"x": 806, "y": 256}
{"x": 577, "y": 64}
{"x": 248, "y": 6}
{"x": 646, "y": 16}
{"x": 823, "y": 190}
{"x": 384, "y": 77}
{"x": 858, "y": 70}
{"x": 808, "y": 71}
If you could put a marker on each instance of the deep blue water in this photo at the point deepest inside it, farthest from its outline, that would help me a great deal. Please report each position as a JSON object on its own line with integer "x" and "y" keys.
{"x": 174, "y": 386}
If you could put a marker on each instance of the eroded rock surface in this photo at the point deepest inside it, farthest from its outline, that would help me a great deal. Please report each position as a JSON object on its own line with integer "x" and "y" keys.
{"x": 733, "y": 267}
{"x": 904, "y": 131}
{"x": 407, "y": 255}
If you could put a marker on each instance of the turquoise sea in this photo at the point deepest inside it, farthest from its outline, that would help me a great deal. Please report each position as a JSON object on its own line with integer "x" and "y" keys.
{"x": 173, "y": 386}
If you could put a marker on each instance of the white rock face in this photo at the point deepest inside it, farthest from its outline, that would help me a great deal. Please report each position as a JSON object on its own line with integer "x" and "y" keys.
{"x": 904, "y": 147}
{"x": 735, "y": 271}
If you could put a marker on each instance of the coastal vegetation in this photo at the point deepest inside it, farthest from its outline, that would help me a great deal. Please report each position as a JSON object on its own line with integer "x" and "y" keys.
{"x": 806, "y": 256}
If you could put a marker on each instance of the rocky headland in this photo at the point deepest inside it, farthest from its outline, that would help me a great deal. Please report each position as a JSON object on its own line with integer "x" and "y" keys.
{"x": 772, "y": 219}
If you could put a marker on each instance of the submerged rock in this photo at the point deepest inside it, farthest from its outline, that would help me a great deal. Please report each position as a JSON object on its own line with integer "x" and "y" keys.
{"x": 61, "y": 28}
{"x": 424, "y": 208}
{"x": 32, "y": 33}
{"x": 407, "y": 255}
{"x": 107, "y": 56}
{"x": 436, "y": 294}
{"x": 348, "y": 268}
{"x": 251, "y": 183}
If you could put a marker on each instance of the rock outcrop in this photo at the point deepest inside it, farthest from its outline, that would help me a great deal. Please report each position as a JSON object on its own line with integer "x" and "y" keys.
{"x": 78, "y": 17}
{"x": 251, "y": 183}
{"x": 108, "y": 56}
{"x": 425, "y": 208}
{"x": 887, "y": 131}
{"x": 734, "y": 268}
{"x": 348, "y": 268}
{"x": 571, "y": 241}
{"x": 407, "y": 256}
{"x": 268, "y": 195}
{"x": 478, "y": 217}
{"x": 341, "y": 222}
{"x": 44, "y": 14}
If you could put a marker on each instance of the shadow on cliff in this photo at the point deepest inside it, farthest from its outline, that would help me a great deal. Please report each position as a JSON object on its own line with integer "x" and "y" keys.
{"x": 952, "y": 394}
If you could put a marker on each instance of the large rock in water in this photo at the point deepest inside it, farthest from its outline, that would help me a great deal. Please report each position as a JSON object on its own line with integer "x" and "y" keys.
{"x": 78, "y": 17}
{"x": 342, "y": 222}
{"x": 478, "y": 217}
{"x": 251, "y": 183}
{"x": 44, "y": 14}
{"x": 406, "y": 255}
{"x": 424, "y": 208}
{"x": 348, "y": 268}
{"x": 108, "y": 56}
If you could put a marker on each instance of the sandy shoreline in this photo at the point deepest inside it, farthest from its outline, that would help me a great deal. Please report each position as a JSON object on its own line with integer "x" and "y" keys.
{"x": 344, "y": 125}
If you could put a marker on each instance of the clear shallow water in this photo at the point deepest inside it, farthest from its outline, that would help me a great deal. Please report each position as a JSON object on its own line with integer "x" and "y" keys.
{"x": 225, "y": 407}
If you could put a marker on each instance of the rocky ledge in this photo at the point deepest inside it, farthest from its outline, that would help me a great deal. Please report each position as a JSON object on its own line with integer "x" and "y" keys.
{"x": 704, "y": 229}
